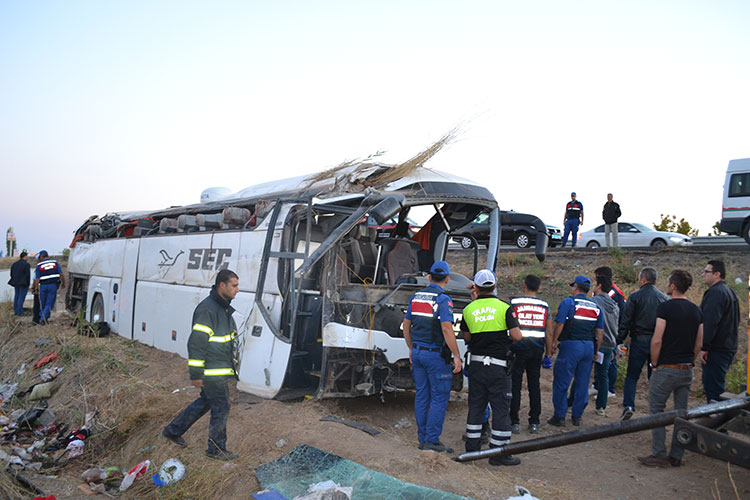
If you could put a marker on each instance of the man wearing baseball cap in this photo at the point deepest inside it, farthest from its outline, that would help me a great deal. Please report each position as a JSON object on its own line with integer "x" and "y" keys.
{"x": 489, "y": 326}
{"x": 47, "y": 276}
{"x": 573, "y": 219}
{"x": 579, "y": 328}
{"x": 428, "y": 331}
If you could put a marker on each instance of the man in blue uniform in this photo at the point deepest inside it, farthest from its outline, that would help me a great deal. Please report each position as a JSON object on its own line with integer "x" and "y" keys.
{"x": 47, "y": 277}
{"x": 573, "y": 219}
{"x": 428, "y": 328}
{"x": 579, "y": 327}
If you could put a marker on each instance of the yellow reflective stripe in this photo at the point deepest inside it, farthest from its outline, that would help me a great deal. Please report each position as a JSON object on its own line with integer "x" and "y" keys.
{"x": 203, "y": 328}
{"x": 196, "y": 362}
{"x": 218, "y": 371}
{"x": 225, "y": 338}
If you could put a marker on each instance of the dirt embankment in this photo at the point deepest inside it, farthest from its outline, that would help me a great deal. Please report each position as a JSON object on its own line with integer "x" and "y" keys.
{"x": 132, "y": 387}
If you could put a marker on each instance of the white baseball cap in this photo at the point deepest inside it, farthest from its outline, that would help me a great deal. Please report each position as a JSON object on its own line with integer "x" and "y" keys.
{"x": 485, "y": 278}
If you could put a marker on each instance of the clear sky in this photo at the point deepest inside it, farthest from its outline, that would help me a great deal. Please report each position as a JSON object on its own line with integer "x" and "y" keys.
{"x": 108, "y": 106}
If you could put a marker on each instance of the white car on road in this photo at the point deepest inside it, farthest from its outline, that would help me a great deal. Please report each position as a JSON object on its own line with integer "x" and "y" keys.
{"x": 632, "y": 234}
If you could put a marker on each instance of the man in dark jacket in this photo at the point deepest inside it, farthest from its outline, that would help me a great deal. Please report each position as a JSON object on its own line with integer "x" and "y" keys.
{"x": 610, "y": 214}
{"x": 639, "y": 321}
{"x": 721, "y": 317}
{"x": 211, "y": 364}
{"x": 20, "y": 278}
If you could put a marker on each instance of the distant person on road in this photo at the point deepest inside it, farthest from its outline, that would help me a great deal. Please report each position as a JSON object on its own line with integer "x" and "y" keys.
{"x": 579, "y": 326}
{"x": 211, "y": 364}
{"x": 677, "y": 338}
{"x": 610, "y": 214}
{"x": 47, "y": 277}
{"x": 532, "y": 314}
{"x": 20, "y": 278}
{"x": 573, "y": 219}
{"x": 428, "y": 329}
{"x": 489, "y": 326}
{"x": 721, "y": 317}
{"x": 639, "y": 322}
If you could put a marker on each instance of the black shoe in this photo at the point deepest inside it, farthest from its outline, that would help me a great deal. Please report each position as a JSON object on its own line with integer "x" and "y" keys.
{"x": 421, "y": 445}
{"x": 224, "y": 455}
{"x": 438, "y": 447}
{"x": 504, "y": 460}
{"x": 576, "y": 421}
{"x": 515, "y": 428}
{"x": 533, "y": 428}
{"x": 557, "y": 421}
{"x": 627, "y": 413}
{"x": 175, "y": 439}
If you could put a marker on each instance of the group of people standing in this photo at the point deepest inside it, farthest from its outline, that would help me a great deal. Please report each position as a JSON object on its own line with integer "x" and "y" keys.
{"x": 573, "y": 220}
{"x": 48, "y": 277}
{"x": 507, "y": 339}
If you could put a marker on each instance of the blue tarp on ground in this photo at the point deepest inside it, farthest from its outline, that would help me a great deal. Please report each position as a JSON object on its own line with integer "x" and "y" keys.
{"x": 293, "y": 473}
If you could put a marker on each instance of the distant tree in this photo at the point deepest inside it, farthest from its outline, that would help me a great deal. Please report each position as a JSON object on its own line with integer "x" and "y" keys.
{"x": 716, "y": 230}
{"x": 670, "y": 223}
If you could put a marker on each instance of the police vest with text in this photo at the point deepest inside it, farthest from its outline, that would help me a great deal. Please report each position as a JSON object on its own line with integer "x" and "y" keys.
{"x": 582, "y": 326}
{"x": 486, "y": 322}
{"x": 425, "y": 322}
{"x": 532, "y": 315}
{"x": 49, "y": 272}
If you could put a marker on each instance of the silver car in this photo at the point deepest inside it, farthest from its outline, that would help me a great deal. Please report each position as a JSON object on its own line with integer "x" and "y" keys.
{"x": 633, "y": 234}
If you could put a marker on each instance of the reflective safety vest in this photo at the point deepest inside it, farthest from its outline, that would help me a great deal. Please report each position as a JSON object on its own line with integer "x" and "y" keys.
{"x": 532, "y": 315}
{"x": 211, "y": 345}
{"x": 582, "y": 326}
{"x": 485, "y": 318}
{"x": 48, "y": 272}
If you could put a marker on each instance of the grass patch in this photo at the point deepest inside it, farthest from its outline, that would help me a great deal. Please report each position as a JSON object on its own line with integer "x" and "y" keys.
{"x": 616, "y": 253}
{"x": 509, "y": 259}
{"x": 736, "y": 381}
{"x": 624, "y": 273}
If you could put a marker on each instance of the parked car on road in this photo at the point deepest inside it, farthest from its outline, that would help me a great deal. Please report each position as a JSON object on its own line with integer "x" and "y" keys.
{"x": 632, "y": 234}
{"x": 515, "y": 231}
{"x": 384, "y": 229}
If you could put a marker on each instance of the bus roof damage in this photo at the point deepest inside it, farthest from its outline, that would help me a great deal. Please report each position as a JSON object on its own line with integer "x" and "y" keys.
{"x": 322, "y": 296}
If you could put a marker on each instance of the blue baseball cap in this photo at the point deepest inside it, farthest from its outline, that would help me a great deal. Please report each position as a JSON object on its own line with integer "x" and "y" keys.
{"x": 43, "y": 253}
{"x": 573, "y": 193}
{"x": 581, "y": 280}
{"x": 440, "y": 268}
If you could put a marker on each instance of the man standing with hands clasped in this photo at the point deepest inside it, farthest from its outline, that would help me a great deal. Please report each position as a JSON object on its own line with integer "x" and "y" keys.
{"x": 677, "y": 338}
{"x": 610, "y": 214}
{"x": 428, "y": 329}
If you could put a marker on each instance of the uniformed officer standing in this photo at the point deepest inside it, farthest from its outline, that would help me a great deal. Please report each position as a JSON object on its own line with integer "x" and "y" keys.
{"x": 47, "y": 277}
{"x": 428, "y": 327}
{"x": 487, "y": 322}
{"x": 211, "y": 364}
{"x": 573, "y": 219}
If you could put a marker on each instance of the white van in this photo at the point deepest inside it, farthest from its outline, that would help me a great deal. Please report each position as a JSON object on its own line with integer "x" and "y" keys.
{"x": 735, "y": 209}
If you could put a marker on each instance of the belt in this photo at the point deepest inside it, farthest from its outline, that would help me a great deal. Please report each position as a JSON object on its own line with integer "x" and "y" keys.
{"x": 488, "y": 360}
{"x": 680, "y": 366}
{"x": 423, "y": 348}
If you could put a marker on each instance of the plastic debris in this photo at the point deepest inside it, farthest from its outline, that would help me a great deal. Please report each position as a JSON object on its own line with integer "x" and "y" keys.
{"x": 134, "y": 473}
{"x": 42, "y": 341}
{"x": 47, "y": 358}
{"x": 523, "y": 494}
{"x": 171, "y": 471}
{"x": 22, "y": 369}
{"x": 75, "y": 448}
{"x": 41, "y": 391}
{"x": 7, "y": 391}
{"x": 403, "y": 424}
{"x": 50, "y": 373}
{"x": 94, "y": 475}
{"x": 46, "y": 418}
{"x": 281, "y": 443}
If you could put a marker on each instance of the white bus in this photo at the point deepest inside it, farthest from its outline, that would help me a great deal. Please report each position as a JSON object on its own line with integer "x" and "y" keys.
{"x": 735, "y": 207}
{"x": 321, "y": 297}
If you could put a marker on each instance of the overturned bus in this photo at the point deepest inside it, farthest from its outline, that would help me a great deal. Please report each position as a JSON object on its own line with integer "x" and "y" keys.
{"x": 321, "y": 298}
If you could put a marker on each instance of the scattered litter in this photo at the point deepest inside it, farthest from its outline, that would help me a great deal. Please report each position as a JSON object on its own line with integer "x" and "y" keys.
{"x": 42, "y": 341}
{"x": 22, "y": 369}
{"x": 281, "y": 443}
{"x": 171, "y": 471}
{"x": 86, "y": 489}
{"x": 41, "y": 391}
{"x": 403, "y": 424}
{"x": 326, "y": 490}
{"x": 183, "y": 389}
{"x": 738, "y": 281}
{"x": 4, "y": 420}
{"x": 34, "y": 466}
{"x": 47, "y": 358}
{"x": 637, "y": 263}
{"x": 75, "y": 448}
{"x": 94, "y": 475}
{"x": 349, "y": 423}
{"x": 145, "y": 449}
{"x": 134, "y": 473}
{"x": 51, "y": 497}
{"x": 16, "y": 414}
{"x": 50, "y": 373}
{"x": 523, "y": 494}
{"x": 46, "y": 418}
{"x": 7, "y": 391}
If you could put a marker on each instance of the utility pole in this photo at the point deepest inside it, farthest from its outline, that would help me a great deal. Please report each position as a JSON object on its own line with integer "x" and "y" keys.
{"x": 10, "y": 242}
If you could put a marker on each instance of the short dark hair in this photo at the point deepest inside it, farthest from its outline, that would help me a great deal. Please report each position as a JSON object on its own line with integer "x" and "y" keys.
{"x": 718, "y": 267}
{"x": 224, "y": 276}
{"x": 532, "y": 282}
{"x": 23, "y": 254}
{"x": 485, "y": 289}
{"x": 583, "y": 288}
{"x": 649, "y": 274}
{"x": 439, "y": 278}
{"x": 681, "y": 280}
{"x": 605, "y": 283}
{"x": 605, "y": 271}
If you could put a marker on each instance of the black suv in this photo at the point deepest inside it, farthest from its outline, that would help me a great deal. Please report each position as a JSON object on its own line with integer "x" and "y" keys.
{"x": 515, "y": 231}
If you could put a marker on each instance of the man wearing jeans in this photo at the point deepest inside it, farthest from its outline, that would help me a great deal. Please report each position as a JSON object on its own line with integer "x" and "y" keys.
{"x": 721, "y": 317}
{"x": 677, "y": 338}
{"x": 47, "y": 277}
{"x": 639, "y": 321}
{"x": 428, "y": 326}
{"x": 20, "y": 276}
